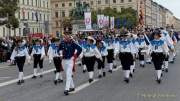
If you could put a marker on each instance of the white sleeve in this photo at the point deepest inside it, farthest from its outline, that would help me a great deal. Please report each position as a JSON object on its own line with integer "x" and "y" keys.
{"x": 13, "y": 55}
{"x": 27, "y": 54}
{"x": 97, "y": 53}
{"x": 50, "y": 53}
{"x": 43, "y": 52}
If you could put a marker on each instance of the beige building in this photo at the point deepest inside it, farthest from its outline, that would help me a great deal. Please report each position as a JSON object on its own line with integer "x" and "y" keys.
{"x": 176, "y": 24}
{"x": 34, "y": 17}
{"x": 155, "y": 15}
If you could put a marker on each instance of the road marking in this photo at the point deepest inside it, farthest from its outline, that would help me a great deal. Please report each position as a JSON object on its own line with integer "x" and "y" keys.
{"x": 3, "y": 78}
{"x": 25, "y": 78}
{"x": 87, "y": 84}
{"x": 83, "y": 86}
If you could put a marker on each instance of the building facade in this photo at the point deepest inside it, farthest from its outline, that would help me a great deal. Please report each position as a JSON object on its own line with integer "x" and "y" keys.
{"x": 34, "y": 17}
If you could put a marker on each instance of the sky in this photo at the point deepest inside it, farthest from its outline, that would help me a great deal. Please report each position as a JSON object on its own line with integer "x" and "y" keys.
{"x": 172, "y": 5}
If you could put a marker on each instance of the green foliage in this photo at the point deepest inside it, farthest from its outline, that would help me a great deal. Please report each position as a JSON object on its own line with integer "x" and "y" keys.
{"x": 8, "y": 9}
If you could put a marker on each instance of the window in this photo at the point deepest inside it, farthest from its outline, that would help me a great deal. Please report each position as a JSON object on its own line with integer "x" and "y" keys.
{"x": 115, "y": 9}
{"x": 130, "y": 0}
{"x": 47, "y": 4}
{"x": 23, "y": 2}
{"x": 19, "y": 31}
{"x": 107, "y": 1}
{"x": 32, "y": 16}
{"x": 56, "y": 5}
{"x": 28, "y": 15}
{"x": 99, "y": 1}
{"x": 122, "y": 1}
{"x": 63, "y": 5}
{"x": 27, "y": 2}
{"x": 92, "y": 2}
{"x": 44, "y": 17}
{"x": 57, "y": 24}
{"x": 70, "y": 4}
{"x": 63, "y": 14}
{"x": 36, "y": 3}
{"x": 32, "y": 2}
{"x": 56, "y": 14}
{"x": 114, "y": 1}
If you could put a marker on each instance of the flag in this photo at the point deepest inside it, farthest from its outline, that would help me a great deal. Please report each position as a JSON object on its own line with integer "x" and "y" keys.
{"x": 87, "y": 20}
{"x": 112, "y": 22}
{"x": 100, "y": 19}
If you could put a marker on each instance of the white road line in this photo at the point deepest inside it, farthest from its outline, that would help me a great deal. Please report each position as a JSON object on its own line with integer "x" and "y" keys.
{"x": 3, "y": 78}
{"x": 87, "y": 84}
{"x": 25, "y": 78}
{"x": 81, "y": 87}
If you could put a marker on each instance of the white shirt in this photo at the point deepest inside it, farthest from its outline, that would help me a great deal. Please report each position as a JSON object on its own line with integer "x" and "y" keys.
{"x": 19, "y": 52}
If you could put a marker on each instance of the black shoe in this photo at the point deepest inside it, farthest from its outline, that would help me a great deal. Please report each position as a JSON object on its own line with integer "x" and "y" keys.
{"x": 166, "y": 70}
{"x": 19, "y": 82}
{"x": 133, "y": 70}
{"x": 161, "y": 74}
{"x": 100, "y": 76}
{"x": 22, "y": 81}
{"x": 158, "y": 81}
{"x": 66, "y": 92}
{"x": 41, "y": 76}
{"x": 91, "y": 80}
{"x": 60, "y": 81}
{"x": 126, "y": 80}
{"x": 171, "y": 62}
{"x": 114, "y": 66}
{"x": 55, "y": 82}
{"x": 110, "y": 71}
{"x": 34, "y": 77}
{"x": 104, "y": 74}
{"x": 84, "y": 71}
{"x": 131, "y": 75}
{"x": 71, "y": 89}
{"x": 148, "y": 62}
{"x": 55, "y": 72}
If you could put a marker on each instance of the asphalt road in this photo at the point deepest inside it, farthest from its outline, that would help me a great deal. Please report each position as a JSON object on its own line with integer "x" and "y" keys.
{"x": 142, "y": 86}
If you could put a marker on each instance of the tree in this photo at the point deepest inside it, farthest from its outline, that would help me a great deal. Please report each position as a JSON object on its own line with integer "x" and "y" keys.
{"x": 8, "y": 9}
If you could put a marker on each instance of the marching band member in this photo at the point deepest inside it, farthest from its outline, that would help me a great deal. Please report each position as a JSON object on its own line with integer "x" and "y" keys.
{"x": 142, "y": 48}
{"x": 125, "y": 55}
{"x": 20, "y": 54}
{"x": 159, "y": 48}
{"x": 54, "y": 55}
{"x": 69, "y": 50}
{"x": 90, "y": 54}
{"x": 135, "y": 52}
{"x": 172, "y": 53}
{"x": 38, "y": 54}
{"x": 167, "y": 39}
{"x": 83, "y": 43}
{"x": 101, "y": 63}
{"x": 110, "y": 48}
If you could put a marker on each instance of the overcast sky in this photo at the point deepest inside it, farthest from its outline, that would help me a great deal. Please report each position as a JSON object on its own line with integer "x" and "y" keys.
{"x": 172, "y": 5}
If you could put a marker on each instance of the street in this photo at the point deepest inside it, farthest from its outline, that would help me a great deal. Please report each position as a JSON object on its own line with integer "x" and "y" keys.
{"x": 142, "y": 86}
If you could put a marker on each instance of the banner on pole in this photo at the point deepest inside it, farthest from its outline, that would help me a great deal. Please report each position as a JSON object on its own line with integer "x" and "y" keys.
{"x": 87, "y": 20}
{"x": 112, "y": 22}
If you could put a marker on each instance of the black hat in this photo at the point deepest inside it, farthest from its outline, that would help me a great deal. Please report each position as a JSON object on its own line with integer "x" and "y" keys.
{"x": 55, "y": 40}
{"x": 124, "y": 34}
{"x": 157, "y": 32}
